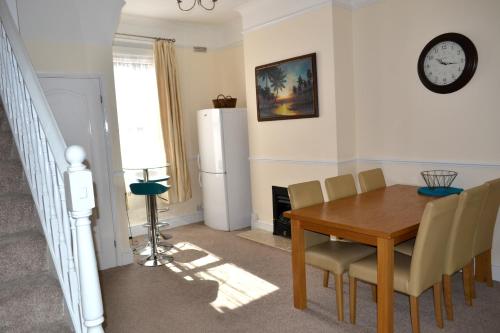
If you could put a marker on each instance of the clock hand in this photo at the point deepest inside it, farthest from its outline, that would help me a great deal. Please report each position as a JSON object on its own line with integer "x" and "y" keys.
{"x": 440, "y": 61}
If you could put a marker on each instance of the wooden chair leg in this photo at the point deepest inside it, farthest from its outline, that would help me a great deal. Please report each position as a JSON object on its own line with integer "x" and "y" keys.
{"x": 467, "y": 278}
{"x": 437, "y": 304}
{"x": 448, "y": 304}
{"x": 483, "y": 268}
{"x": 415, "y": 321}
{"x": 340, "y": 296}
{"x": 472, "y": 287}
{"x": 352, "y": 299}
{"x": 374, "y": 293}
{"x": 326, "y": 275}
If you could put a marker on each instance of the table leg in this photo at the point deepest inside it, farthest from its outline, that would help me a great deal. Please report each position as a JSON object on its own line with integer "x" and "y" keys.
{"x": 298, "y": 266}
{"x": 385, "y": 285}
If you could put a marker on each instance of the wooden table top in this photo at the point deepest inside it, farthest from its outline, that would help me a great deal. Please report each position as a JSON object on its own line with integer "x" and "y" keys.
{"x": 390, "y": 212}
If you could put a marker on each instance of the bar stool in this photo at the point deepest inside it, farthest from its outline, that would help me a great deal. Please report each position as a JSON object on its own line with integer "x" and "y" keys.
{"x": 151, "y": 190}
{"x": 159, "y": 225}
{"x": 161, "y": 236}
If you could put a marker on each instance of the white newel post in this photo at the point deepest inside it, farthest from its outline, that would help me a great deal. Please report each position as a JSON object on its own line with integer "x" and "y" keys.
{"x": 80, "y": 200}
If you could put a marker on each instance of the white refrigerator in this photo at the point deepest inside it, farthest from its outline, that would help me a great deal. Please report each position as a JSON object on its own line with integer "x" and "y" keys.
{"x": 224, "y": 170}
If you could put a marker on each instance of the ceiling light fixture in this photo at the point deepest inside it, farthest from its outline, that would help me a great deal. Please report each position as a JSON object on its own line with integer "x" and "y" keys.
{"x": 199, "y": 2}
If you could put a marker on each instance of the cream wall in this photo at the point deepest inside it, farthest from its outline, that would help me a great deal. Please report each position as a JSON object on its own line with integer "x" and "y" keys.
{"x": 344, "y": 86}
{"x": 287, "y": 151}
{"x": 405, "y": 128}
{"x": 397, "y": 116}
{"x": 230, "y": 72}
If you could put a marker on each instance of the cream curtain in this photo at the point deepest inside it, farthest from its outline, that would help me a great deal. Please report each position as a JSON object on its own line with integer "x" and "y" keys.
{"x": 171, "y": 121}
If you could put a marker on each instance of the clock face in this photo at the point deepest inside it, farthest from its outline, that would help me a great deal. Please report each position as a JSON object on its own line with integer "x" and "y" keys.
{"x": 447, "y": 63}
{"x": 444, "y": 63}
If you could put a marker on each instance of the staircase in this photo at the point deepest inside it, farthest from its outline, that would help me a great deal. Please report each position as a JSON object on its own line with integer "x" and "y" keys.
{"x": 31, "y": 299}
{"x": 46, "y": 200}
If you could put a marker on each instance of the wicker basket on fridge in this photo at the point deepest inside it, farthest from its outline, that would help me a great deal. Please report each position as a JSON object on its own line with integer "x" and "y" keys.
{"x": 224, "y": 102}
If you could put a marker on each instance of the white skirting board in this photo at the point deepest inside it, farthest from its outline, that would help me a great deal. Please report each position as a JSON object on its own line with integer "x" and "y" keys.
{"x": 262, "y": 225}
{"x": 177, "y": 221}
{"x": 496, "y": 273}
{"x": 125, "y": 256}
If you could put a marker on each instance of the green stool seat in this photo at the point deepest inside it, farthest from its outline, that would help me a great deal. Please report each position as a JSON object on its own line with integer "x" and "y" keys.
{"x": 148, "y": 188}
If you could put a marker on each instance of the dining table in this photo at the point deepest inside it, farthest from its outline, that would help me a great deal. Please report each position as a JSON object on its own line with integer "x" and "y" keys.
{"x": 381, "y": 218}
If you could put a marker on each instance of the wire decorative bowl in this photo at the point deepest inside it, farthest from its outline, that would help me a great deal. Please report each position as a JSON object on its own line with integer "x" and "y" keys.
{"x": 438, "y": 178}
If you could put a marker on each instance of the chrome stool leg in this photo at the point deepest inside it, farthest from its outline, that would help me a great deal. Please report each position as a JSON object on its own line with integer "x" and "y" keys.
{"x": 145, "y": 250}
{"x": 156, "y": 258}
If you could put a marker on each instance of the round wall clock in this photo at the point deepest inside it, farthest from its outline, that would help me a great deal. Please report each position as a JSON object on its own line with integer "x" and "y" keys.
{"x": 447, "y": 63}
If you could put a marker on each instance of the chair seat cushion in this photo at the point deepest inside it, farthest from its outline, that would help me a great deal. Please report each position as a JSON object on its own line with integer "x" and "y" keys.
{"x": 336, "y": 256}
{"x": 366, "y": 270}
{"x": 406, "y": 247}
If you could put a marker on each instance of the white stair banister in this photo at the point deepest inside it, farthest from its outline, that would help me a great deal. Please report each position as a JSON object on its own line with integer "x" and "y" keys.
{"x": 60, "y": 183}
{"x": 80, "y": 200}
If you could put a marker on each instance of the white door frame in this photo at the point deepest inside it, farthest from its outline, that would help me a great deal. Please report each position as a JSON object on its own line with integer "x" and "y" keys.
{"x": 121, "y": 258}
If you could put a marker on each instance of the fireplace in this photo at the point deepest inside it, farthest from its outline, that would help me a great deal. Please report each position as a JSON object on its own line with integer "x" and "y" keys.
{"x": 281, "y": 203}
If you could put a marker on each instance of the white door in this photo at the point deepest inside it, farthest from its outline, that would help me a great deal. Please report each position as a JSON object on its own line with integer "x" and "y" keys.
{"x": 210, "y": 141}
{"x": 215, "y": 213}
{"x": 76, "y": 103}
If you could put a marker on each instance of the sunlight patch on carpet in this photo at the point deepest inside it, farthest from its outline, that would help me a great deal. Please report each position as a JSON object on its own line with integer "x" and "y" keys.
{"x": 237, "y": 287}
{"x": 206, "y": 258}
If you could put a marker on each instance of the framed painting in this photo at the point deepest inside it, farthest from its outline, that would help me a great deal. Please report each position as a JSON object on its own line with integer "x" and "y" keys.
{"x": 287, "y": 89}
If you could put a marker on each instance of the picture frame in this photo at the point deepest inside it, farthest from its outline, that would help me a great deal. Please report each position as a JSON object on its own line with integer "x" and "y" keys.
{"x": 287, "y": 89}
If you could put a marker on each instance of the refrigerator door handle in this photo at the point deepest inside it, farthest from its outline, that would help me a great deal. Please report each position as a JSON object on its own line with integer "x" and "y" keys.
{"x": 199, "y": 180}
{"x": 198, "y": 161}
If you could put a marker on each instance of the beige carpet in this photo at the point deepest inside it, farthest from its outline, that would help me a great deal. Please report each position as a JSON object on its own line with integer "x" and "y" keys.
{"x": 223, "y": 283}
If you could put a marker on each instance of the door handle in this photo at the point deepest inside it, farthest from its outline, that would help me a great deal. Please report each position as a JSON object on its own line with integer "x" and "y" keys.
{"x": 198, "y": 160}
{"x": 199, "y": 180}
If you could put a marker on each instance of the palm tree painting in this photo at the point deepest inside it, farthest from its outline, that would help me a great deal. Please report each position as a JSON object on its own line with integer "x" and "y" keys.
{"x": 287, "y": 89}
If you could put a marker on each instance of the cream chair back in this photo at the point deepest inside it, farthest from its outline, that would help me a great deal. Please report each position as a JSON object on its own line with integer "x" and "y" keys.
{"x": 303, "y": 195}
{"x": 430, "y": 246}
{"x": 461, "y": 241}
{"x": 370, "y": 180}
{"x": 483, "y": 240}
{"x": 340, "y": 187}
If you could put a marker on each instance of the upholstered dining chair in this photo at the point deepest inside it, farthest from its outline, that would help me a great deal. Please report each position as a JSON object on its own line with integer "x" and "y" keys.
{"x": 340, "y": 187}
{"x": 370, "y": 180}
{"x": 406, "y": 247}
{"x": 413, "y": 275}
{"x": 483, "y": 239}
{"x": 460, "y": 244}
{"x": 320, "y": 251}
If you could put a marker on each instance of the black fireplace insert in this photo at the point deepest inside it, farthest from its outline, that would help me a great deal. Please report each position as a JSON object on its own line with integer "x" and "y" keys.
{"x": 281, "y": 203}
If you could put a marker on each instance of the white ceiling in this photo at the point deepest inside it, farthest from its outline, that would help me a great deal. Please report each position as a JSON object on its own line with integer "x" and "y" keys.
{"x": 167, "y": 9}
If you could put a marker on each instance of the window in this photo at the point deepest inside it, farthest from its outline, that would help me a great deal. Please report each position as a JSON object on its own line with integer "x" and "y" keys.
{"x": 141, "y": 139}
